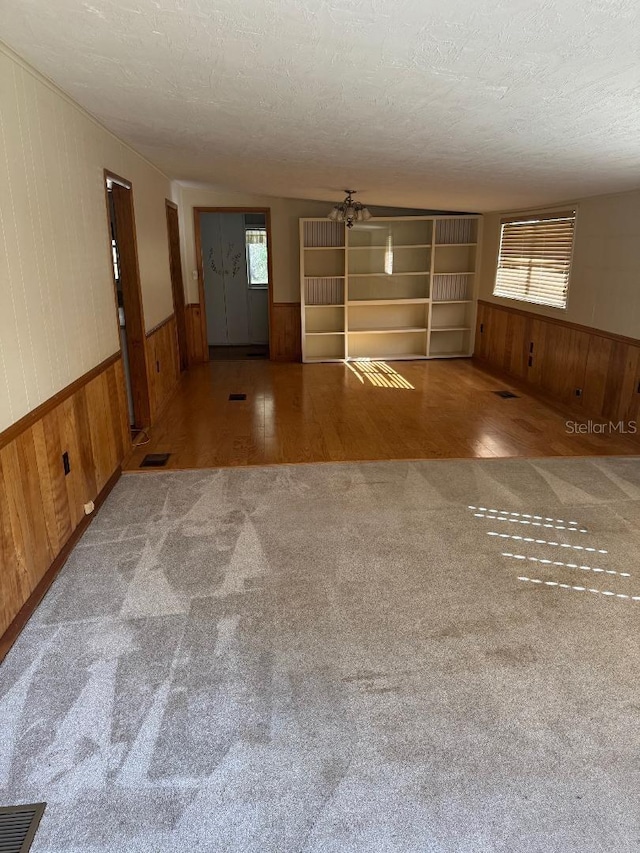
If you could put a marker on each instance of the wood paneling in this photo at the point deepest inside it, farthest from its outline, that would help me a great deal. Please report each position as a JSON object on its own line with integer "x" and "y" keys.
{"x": 593, "y": 372}
{"x": 40, "y": 506}
{"x": 19, "y": 621}
{"x": 195, "y": 342}
{"x": 285, "y": 344}
{"x": 162, "y": 363}
{"x": 52, "y": 403}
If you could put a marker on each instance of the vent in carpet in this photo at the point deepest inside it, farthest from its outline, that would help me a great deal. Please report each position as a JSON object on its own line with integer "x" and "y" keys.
{"x": 237, "y": 396}
{"x": 506, "y": 395}
{"x": 18, "y": 826}
{"x": 153, "y": 460}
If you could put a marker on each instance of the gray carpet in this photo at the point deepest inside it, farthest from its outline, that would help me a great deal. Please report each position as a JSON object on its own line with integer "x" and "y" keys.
{"x": 339, "y": 659}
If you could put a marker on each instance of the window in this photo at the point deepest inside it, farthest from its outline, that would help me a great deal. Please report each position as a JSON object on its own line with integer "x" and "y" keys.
{"x": 257, "y": 264}
{"x": 535, "y": 258}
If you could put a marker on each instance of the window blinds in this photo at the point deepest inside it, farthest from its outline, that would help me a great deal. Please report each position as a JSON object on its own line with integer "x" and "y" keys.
{"x": 535, "y": 258}
{"x": 255, "y": 235}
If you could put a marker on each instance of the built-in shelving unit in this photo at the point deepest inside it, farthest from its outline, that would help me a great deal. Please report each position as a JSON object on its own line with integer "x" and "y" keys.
{"x": 389, "y": 288}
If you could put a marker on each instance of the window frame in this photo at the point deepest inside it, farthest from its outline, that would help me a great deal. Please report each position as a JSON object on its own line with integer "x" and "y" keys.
{"x": 263, "y": 228}
{"x": 546, "y": 215}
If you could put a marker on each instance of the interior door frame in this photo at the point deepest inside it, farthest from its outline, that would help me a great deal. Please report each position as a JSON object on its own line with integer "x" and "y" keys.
{"x": 132, "y": 297}
{"x": 197, "y": 211}
{"x": 177, "y": 287}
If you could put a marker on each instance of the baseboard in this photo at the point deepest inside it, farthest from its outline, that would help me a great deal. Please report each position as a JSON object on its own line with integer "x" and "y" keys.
{"x": 24, "y": 614}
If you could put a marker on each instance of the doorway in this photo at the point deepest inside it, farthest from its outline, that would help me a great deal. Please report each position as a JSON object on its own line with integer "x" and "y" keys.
{"x": 233, "y": 248}
{"x": 173, "y": 233}
{"x": 126, "y": 277}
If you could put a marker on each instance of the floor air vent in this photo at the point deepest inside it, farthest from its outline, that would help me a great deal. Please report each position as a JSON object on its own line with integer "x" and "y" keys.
{"x": 151, "y": 460}
{"x": 506, "y": 395}
{"x": 237, "y": 396}
{"x": 18, "y": 826}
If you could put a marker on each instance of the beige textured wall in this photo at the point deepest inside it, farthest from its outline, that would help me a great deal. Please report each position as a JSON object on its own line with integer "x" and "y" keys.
{"x": 57, "y": 308}
{"x": 604, "y": 290}
{"x": 285, "y": 213}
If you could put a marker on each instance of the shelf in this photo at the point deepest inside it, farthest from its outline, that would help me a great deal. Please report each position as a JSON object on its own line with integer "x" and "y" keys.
{"x": 451, "y": 328}
{"x": 386, "y": 274}
{"x": 410, "y": 301}
{"x": 391, "y": 311}
{"x": 390, "y": 357}
{"x": 383, "y": 248}
{"x": 392, "y": 330}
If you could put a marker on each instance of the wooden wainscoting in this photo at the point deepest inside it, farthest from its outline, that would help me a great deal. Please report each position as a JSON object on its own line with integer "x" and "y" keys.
{"x": 285, "y": 344}
{"x": 163, "y": 366}
{"x": 195, "y": 342}
{"x": 42, "y": 510}
{"x": 594, "y": 372}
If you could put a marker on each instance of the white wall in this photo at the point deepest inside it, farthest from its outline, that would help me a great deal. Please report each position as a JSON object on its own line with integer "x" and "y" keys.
{"x": 604, "y": 289}
{"x": 57, "y": 309}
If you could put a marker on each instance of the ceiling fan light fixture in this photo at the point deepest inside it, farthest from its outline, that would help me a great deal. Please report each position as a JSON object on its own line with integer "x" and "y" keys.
{"x": 349, "y": 211}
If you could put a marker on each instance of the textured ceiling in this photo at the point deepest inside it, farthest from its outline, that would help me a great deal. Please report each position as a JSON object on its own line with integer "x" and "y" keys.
{"x": 472, "y": 105}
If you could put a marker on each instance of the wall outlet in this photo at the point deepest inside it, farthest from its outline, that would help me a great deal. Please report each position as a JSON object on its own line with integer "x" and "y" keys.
{"x": 65, "y": 463}
{"x": 89, "y": 508}
{"x": 194, "y": 275}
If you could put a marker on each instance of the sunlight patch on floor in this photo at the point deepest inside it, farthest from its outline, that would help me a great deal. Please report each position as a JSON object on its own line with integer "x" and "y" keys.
{"x": 379, "y": 373}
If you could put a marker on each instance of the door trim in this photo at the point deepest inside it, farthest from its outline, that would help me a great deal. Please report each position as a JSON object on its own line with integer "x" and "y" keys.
{"x": 135, "y": 331}
{"x": 177, "y": 287}
{"x": 196, "y": 226}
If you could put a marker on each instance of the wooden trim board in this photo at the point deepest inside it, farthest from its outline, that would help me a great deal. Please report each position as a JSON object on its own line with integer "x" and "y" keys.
{"x": 159, "y": 325}
{"x": 32, "y": 417}
{"x": 127, "y": 243}
{"x": 558, "y": 321}
{"x": 177, "y": 286}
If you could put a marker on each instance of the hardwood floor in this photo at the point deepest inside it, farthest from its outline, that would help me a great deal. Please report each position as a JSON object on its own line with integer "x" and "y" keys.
{"x": 361, "y": 411}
